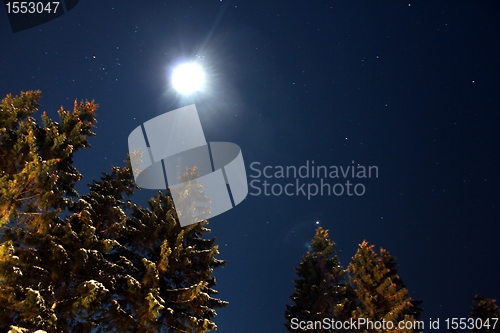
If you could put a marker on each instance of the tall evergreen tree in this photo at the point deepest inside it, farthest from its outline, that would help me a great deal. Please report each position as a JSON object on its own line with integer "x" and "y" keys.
{"x": 488, "y": 311}
{"x": 389, "y": 262}
{"x": 380, "y": 291}
{"x": 97, "y": 262}
{"x": 320, "y": 291}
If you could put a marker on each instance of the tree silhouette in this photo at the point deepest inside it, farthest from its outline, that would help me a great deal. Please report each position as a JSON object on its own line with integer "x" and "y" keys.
{"x": 488, "y": 313}
{"x": 320, "y": 291}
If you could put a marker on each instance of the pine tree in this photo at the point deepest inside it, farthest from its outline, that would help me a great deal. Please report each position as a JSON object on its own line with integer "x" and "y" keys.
{"x": 320, "y": 291}
{"x": 486, "y": 313}
{"x": 389, "y": 262}
{"x": 380, "y": 291}
{"x": 98, "y": 262}
{"x": 37, "y": 186}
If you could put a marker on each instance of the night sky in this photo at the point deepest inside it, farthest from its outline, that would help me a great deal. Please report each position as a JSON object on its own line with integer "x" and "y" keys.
{"x": 409, "y": 87}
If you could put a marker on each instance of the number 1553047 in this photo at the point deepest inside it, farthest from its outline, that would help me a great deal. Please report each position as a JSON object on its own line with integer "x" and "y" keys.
{"x": 471, "y": 323}
{"x": 32, "y": 7}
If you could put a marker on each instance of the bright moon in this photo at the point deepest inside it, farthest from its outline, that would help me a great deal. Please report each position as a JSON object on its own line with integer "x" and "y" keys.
{"x": 188, "y": 78}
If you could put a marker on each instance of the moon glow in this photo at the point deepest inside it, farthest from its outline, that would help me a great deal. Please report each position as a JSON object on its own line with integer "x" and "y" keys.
{"x": 188, "y": 78}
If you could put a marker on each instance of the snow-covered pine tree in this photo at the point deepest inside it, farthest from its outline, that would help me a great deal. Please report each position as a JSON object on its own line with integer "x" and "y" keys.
{"x": 92, "y": 263}
{"x": 379, "y": 289}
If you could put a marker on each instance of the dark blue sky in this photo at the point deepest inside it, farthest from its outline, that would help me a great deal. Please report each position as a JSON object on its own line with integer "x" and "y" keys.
{"x": 410, "y": 87}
